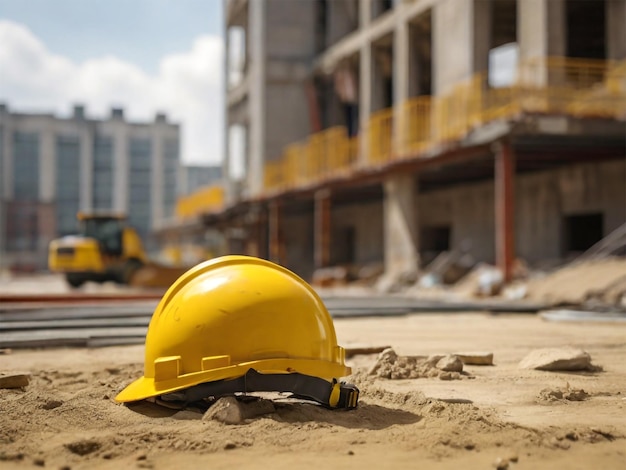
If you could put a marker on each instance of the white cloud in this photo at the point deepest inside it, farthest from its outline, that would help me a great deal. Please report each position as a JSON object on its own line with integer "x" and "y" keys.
{"x": 188, "y": 86}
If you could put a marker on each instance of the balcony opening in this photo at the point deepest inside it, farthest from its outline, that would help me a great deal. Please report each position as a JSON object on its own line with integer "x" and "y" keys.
{"x": 341, "y": 19}
{"x": 586, "y": 28}
{"x": 434, "y": 240}
{"x": 380, "y": 7}
{"x": 237, "y": 55}
{"x": 321, "y": 22}
{"x": 421, "y": 55}
{"x": 382, "y": 71}
{"x": 345, "y": 93}
{"x": 582, "y": 231}
{"x": 503, "y": 49}
{"x": 344, "y": 245}
{"x": 237, "y": 152}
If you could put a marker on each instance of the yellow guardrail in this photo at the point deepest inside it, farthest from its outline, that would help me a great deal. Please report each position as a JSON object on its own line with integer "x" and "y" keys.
{"x": 203, "y": 201}
{"x": 551, "y": 85}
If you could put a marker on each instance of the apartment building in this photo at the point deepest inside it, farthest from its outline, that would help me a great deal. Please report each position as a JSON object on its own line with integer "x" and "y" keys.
{"x": 371, "y": 131}
{"x": 51, "y": 168}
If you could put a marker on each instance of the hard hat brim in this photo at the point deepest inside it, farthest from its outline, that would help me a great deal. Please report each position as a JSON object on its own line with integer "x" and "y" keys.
{"x": 146, "y": 387}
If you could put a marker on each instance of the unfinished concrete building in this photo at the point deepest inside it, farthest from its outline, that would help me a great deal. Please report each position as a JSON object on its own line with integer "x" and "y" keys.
{"x": 365, "y": 132}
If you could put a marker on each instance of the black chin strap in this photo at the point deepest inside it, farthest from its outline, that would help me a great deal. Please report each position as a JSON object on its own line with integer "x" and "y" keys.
{"x": 334, "y": 395}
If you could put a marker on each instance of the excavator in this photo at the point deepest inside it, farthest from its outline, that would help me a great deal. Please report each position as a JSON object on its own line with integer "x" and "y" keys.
{"x": 105, "y": 249}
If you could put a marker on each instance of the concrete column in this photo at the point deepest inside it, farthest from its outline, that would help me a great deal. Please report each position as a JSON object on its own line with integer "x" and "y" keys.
{"x": 540, "y": 33}
{"x": 365, "y": 13}
{"x": 228, "y": 184}
{"x": 121, "y": 168}
{"x": 47, "y": 163}
{"x": 505, "y": 208}
{"x": 401, "y": 62}
{"x": 5, "y": 179}
{"x": 400, "y": 230}
{"x": 257, "y": 17}
{"x": 366, "y": 78}
{"x": 321, "y": 228}
{"x": 452, "y": 44}
{"x": 86, "y": 166}
{"x": 616, "y": 31}
{"x": 275, "y": 236}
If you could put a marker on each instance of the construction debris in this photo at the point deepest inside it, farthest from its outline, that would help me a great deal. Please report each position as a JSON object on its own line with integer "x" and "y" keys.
{"x": 450, "y": 364}
{"x": 578, "y": 283}
{"x": 476, "y": 358}
{"x": 14, "y": 380}
{"x": 558, "y": 359}
{"x": 559, "y": 394}
{"x": 391, "y": 366}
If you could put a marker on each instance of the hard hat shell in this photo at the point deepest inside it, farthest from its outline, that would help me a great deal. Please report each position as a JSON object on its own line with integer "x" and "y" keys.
{"x": 231, "y": 314}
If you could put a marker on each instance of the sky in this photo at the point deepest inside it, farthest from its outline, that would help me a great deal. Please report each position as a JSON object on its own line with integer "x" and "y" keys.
{"x": 146, "y": 56}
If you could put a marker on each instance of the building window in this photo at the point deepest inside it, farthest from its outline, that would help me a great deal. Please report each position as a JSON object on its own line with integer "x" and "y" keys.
{"x": 170, "y": 176}
{"x": 103, "y": 173}
{"x": 140, "y": 184}
{"x": 26, "y": 167}
{"x": 67, "y": 183}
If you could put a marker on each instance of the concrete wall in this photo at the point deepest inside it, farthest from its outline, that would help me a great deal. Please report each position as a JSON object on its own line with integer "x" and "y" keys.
{"x": 542, "y": 201}
{"x": 297, "y": 232}
{"x": 367, "y": 220}
{"x": 469, "y": 212}
{"x": 290, "y": 47}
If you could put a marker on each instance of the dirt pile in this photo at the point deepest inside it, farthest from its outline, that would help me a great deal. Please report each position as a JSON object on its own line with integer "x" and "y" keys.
{"x": 562, "y": 395}
{"x": 391, "y": 366}
{"x": 597, "y": 281}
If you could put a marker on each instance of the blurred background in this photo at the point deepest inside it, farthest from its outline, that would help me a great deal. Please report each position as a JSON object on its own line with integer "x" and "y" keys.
{"x": 399, "y": 144}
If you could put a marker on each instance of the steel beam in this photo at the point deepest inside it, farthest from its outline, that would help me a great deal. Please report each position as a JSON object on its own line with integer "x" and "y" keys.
{"x": 505, "y": 208}
{"x": 322, "y": 228}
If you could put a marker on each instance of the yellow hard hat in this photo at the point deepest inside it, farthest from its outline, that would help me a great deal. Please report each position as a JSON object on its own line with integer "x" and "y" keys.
{"x": 236, "y": 324}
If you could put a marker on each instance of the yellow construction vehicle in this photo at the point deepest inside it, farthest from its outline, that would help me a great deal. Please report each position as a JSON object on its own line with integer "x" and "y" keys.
{"x": 105, "y": 249}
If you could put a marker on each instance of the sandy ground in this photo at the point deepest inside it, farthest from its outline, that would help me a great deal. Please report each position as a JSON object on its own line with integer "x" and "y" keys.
{"x": 66, "y": 417}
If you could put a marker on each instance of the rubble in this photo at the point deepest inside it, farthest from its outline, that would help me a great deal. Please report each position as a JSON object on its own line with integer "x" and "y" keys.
{"x": 558, "y": 394}
{"x": 392, "y": 366}
{"x": 558, "y": 359}
{"x": 476, "y": 358}
{"x": 450, "y": 364}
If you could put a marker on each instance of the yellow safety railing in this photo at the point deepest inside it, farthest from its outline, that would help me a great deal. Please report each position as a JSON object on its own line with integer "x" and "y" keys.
{"x": 414, "y": 128}
{"x": 552, "y": 85}
{"x": 379, "y": 135}
{"x": 205, "y": 200}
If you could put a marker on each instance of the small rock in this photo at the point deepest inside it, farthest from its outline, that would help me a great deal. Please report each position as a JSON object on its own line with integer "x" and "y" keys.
{"x": 51, "y": 404}
{"x": 501, "y": 464}
{"x": 350, "y": 452}
{"x": 230, "y": 446}
{"x": 476, "y": 358}
{"x": 14, "y": 380}
{"x": 433, "y": 359}
{"x": 450, "y": 364}
{"x": 230, "y": 410}
{"x": 558, "y": 359}
{"x": 513, "y": 458}
{"x": 83, "y": 447}
{"x": 142, "y": 457}
{"x": 445, "y": 376}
